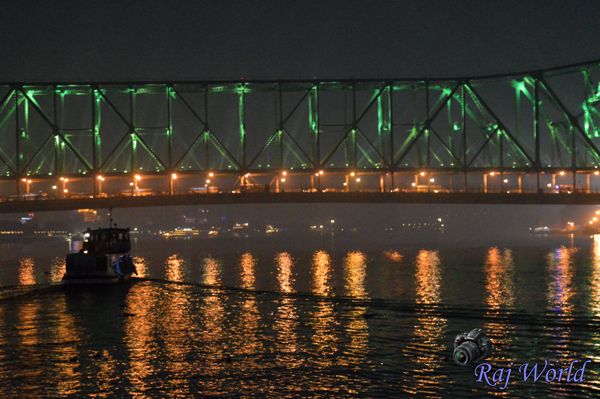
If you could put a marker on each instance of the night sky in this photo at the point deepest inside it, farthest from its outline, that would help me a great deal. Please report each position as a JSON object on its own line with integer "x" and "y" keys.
{"x": 178, "y": 40}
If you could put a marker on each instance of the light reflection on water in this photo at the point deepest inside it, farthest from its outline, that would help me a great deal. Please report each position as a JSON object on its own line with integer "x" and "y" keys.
{"x": 306, "y": 324}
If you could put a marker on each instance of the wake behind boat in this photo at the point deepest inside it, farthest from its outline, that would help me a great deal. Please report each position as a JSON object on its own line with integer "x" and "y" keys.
{"x": 103, "y": 258}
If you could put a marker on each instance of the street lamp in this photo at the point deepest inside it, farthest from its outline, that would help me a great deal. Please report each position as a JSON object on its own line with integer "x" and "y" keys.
{"x": 172, "y": 182}
{"x": 100, "y": 179}
{"x": 64, "y": 181}
{"x": 137, "y": 179}
{"x": 27, "y": 184}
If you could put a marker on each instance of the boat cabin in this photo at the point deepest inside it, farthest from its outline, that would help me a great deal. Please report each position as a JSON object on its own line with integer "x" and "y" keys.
{"x": 107, "y": 241}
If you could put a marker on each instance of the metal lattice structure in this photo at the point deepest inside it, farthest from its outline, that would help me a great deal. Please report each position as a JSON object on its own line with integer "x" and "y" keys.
{"x": 528, "y": 122}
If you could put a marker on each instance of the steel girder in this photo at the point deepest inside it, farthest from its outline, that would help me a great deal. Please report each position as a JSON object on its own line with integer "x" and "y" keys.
{"x": 528, "y": 122}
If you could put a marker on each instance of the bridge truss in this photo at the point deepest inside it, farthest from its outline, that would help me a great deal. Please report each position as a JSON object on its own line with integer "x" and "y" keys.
{"x": 532, "y": 123}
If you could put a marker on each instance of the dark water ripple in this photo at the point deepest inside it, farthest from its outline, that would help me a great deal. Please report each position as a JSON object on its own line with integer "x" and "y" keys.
{"x": 306, "y": 325}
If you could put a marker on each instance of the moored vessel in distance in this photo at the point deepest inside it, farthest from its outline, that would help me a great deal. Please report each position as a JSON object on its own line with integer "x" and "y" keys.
{"x": 103, "y": 257}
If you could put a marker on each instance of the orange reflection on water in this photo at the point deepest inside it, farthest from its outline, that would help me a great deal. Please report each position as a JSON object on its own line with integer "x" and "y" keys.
{"x": 321, "y": 273}
{"x": 559, "y": 297}
{"x": 249, "y": 318}
{"x": 211, "y": 272}
{"x": 595, "y": 292}
{"x": 26, "y": 271}
{"x": 595, "y": 280}
{"x": 324, "y": 323}
{"x": 428, "y": 277}
{"x": 174, "y": 268}
{"x": 247, "y": 264}
{"x": 426, "y": 344}
{"x": 355, "y": 265}
{"x": 65, "y": 357}
{"x": 499, "y": 284}
{"x": 355, "y": 324}
{"x": 141, "y": 303}
{"x": 58, "y": 267}
{"x": 212, "y": 318}
{"x": 560, "y": 285}
{"x": 285, "y": 277}
{"x": 500, "y": 295}
{"x": 141, "y": 266}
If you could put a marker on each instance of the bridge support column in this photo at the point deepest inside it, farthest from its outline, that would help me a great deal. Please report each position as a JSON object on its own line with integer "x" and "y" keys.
{"x": 382, "y": 183}
{"x": 277, "y": 187}
{"x": 520, "y": 183}
{"x": 392, "y": 183}
{"x": 553, "y": 181}
{"x": 347, "y": 182}
{"x": 312, "y": 182}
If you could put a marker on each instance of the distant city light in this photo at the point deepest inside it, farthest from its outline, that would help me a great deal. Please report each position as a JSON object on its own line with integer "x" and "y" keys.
{"x": 562, "y": 173}
{"x": 137, "y": 177}
{"x": 173, "y": 176}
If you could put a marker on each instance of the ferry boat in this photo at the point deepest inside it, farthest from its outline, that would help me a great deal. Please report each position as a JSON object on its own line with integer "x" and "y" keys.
{"x": 103, "y": 257}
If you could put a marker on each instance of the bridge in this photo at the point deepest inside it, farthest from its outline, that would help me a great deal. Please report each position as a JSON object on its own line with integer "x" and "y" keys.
{"x": 528, "y": 137}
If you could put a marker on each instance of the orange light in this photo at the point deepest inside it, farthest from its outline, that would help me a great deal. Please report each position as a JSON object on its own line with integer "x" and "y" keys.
{"x": 562, "y": 173}
{"x": 24, "y": 180}
{"x": 100, "y": 177}
{"x": 321, "y": 172}
{"x": 66, "y": 190}
{"x": 283, "y": 179}
{"x": 358, "y": 179}
{"x": 597, "y": 173}
{"x": 422, "y": 173}
{"x": 492, "y": 173}
{"x": 284, "y": 173}
{"x": 137, "y": 177}
{"x": 173, "y": 176}
{"x": 352, "y": 174}
{"x": 211, "y": 174}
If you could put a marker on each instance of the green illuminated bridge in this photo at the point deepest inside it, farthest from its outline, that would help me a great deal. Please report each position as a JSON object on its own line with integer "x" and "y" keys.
{"x": 530, "y": 135}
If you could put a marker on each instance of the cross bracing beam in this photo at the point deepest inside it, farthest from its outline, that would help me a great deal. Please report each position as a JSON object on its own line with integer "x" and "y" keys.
{"x": 526, "y": 121}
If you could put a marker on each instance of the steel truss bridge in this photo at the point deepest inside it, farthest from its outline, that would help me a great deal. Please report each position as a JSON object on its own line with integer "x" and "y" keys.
{"x": 533, "y": 130}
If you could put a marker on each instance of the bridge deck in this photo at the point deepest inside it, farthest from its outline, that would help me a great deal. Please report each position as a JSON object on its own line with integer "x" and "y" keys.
{"x": 273, "y": 198}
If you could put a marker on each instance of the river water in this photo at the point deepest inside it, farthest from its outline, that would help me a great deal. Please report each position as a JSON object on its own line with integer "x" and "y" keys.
{"x": 321, "y": 321}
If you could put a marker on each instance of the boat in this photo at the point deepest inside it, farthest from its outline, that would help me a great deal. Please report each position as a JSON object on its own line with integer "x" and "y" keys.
{"x": 103, "y": 257}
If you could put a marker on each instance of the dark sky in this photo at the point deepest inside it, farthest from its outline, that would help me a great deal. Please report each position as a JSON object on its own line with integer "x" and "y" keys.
{"x": 151, "y": 40}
